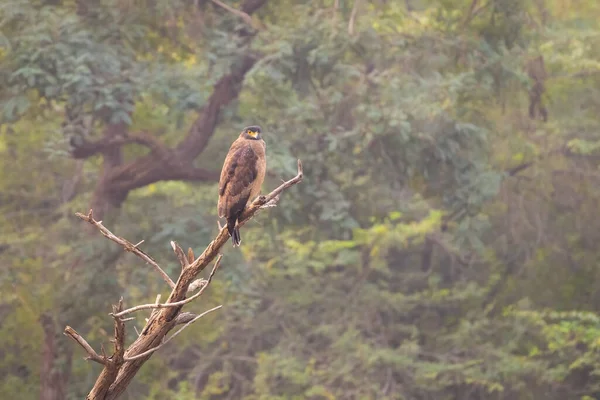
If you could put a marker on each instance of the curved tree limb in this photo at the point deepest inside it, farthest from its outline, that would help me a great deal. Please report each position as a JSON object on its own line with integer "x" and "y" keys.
{"x": 88, "y": 149}
{"x": 92, "y": 355}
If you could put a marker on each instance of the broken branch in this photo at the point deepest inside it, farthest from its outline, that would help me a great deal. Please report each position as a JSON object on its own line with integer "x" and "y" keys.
{"x": 267, "y": 200}
{"x": 183, "y": 259}
{"x": 92, "y": 355}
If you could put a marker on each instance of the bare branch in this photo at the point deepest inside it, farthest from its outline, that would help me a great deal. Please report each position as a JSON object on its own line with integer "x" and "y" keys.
{"x": 92, "y": 355}
{"x": 261, "y": 201}
{"x": 152, "y": 350}
{"x": 117, "y": 357}
{"x": 113, "y": 364}
{"x": 177, "y": 303}
{"x": 87, "y": 149}
{"x": 128, "y": 246}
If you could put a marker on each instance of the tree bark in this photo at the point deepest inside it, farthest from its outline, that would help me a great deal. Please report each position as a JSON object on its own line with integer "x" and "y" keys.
{"x": 104, "y": 197}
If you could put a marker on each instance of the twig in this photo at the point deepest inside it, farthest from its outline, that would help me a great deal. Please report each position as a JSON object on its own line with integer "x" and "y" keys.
{"x": 152, "y": 350}
{"x": 117, "y": 357}
{"x": 128, "y": 246}
{"x": 183, "y": 260}
{"x": 247, "y": 18}
{"x": 92, "y": 355}
{"x": 177, "y": 303}
{"x": 263, "y": 200}
{"x": 297, "y": 179}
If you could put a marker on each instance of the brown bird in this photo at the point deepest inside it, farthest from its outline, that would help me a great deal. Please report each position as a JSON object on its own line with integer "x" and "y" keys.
{"x": 241, "y": 178}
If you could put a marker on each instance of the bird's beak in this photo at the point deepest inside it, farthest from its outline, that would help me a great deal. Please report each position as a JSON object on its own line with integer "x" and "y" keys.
{"x": 253, "y": 134}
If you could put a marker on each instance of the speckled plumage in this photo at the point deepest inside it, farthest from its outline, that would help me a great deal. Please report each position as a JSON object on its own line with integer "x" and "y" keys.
{"x": 241, "y": 178}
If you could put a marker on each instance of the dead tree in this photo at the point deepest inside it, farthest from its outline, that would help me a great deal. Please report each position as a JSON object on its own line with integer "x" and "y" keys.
{"x": 120, "y": 367}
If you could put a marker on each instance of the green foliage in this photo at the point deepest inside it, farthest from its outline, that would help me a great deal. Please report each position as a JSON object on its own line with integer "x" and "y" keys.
{"x": 442, "y": 246}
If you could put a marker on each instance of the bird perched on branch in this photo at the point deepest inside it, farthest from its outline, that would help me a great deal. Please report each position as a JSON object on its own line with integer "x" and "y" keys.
{"x": 241, "y": 177}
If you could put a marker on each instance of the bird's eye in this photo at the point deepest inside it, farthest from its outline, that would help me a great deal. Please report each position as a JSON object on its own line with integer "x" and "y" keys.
{"x": 253, "y": 133}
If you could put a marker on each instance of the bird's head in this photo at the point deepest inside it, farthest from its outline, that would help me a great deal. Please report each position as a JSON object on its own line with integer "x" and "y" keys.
{"x": 252, "y": 132}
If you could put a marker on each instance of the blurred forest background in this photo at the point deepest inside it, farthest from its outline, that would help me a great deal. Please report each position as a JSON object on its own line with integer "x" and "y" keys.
{"x": 444, "y": 243}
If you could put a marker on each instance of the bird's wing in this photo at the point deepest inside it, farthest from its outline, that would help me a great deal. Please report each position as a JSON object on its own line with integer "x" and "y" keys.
{"x": 238, "y": 174}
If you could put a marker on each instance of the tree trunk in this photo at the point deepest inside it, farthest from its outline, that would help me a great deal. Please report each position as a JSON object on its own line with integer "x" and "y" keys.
{"x": 56, "y": 362}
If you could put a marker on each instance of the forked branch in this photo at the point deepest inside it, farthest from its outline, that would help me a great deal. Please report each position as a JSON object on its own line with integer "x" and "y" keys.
{"x": 92, "y": 355}
{"x": 177, "y": 303}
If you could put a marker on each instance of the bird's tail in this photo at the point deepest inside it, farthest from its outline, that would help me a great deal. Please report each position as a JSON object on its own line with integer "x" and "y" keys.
{"x": 234, "y": 232}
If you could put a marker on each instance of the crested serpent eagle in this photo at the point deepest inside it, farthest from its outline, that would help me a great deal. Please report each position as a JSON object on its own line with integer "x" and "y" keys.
{"x": 241, "y": 178}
